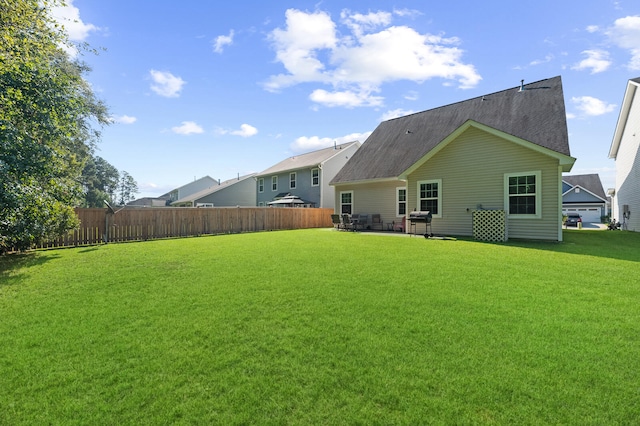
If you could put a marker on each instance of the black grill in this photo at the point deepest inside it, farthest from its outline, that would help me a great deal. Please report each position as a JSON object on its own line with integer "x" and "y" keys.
{"x": 425, "y": 217}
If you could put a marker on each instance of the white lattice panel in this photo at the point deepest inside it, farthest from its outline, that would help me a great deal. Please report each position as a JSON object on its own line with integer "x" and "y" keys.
{"x": 490, "y": 225}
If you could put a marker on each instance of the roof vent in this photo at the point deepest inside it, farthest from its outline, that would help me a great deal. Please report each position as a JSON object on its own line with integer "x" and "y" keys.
{"x": 521, "y": 86}
{"x": 408, "y": 132}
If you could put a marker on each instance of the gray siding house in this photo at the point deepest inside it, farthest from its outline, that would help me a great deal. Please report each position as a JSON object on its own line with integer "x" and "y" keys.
{"x": 190, "y": 188}
{"x": 240, "y": 191}
{"x": 584, "y": 194}
{"x": 306, "y": 176}
{"x": 505, "y": 151}
{"x": 625, "y": 150}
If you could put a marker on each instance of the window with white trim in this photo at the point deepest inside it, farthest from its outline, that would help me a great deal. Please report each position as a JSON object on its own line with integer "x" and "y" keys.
{"x": 401, "y": 201}
{"x": 522, "y": 194}
{"x": 292, "y": 180}
{"x": 261, "y": 185}
{"x": 274, "y": 183}
{"x": 346, "y": 202}
{"x": 430, "y": 197}
{"x": 315, "y": 177}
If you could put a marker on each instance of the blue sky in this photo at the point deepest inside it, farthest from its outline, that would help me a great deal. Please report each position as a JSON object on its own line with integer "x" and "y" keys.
{"x": 200, "y": 88}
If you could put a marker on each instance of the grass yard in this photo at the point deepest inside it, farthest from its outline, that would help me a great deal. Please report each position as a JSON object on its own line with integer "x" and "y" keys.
{"x": 323, "y": 327}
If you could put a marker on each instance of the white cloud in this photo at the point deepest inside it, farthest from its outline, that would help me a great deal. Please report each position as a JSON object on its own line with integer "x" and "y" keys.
{"x": 166, "y": 84}
{"x": 591, "y": 106}
{"x": 359, "y": 63}
{"x": 245, "y": 131}
{"x": 395, "y": 114}
{"x": 222, "y": 41}
{"x": 547, "y": 58}
{"x": 187, "y": 128}
{"x": 296, "y": 47}
{"x": 625, "y": 33}
{"x": 69, "y": 17}
{"x": 596, "y": 61}
{"x": 311, "y": 143}
{"x": 124, "y": 119}
{"x": 593, "y": 28}
{"x": 346, "y": 98}
{"x": 412, "y": 13}
{"x": 359, "y": 23}
{"x": 412, "y": 95}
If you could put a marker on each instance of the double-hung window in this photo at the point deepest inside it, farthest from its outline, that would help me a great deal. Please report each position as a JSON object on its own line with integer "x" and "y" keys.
{"x": 401, "y": 201}
{"x": 315, "y": 177}
{"x": 346, "y": 202}
{"x": 292, "y": 180}
{"x": 522, "y": 194}
{"x": 261, "y": 185}
{"x": 430, "y": 196}
{"x": 274, "y": 183}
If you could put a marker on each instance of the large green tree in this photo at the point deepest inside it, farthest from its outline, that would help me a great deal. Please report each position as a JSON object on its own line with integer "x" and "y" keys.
{"x": 101, "y": 180}
{"x": 127, "y": 189}
{"x": 49, "y": 123}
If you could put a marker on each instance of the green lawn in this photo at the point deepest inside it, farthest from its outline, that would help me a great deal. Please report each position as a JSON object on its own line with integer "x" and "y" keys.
{"x": 323, "y": 327}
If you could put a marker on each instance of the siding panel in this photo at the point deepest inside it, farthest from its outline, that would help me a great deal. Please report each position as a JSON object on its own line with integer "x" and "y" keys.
{"x": 373, "y": 198}
{"x": 472, "y": 170}
{"x": 628, "y": 169}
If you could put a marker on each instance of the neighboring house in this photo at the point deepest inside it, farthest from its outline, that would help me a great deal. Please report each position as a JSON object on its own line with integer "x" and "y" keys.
{"x": 148, "y": 202}
{"x": 505, "y": 151}
{"x": 625, "y": 150}
{"x": 306, "y": 176}
{"x": 240, "y": 191}
{"x": 583, "y": 194}
{"x": 191, "y": 188}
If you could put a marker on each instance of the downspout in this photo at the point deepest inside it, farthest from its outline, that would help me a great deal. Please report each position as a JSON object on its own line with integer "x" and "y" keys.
{"x": 560, "y": 203}
{"x": 321, "y": 183}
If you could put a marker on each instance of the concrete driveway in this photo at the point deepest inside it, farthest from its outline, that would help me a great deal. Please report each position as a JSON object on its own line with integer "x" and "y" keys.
{"x": 590, "y": 226}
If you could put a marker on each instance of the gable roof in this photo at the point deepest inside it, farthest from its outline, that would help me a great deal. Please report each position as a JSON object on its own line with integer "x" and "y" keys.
{"x": 207, "y": 178}
{"x": 533, "y": 113}
{"x": 211, "y": 190}
{"x": 310, "y": 159}
{"x": 629, "y": 94}
{"x": 590, "y": 183}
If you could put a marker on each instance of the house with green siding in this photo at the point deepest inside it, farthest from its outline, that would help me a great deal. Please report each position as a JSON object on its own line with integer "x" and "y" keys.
{"x": 504, "y": 151}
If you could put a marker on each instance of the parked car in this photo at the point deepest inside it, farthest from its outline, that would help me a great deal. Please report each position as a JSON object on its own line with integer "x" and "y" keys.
{"x": 573, "y": 219}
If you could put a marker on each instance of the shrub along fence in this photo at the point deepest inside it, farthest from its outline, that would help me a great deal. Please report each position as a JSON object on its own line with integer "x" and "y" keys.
{"x": 140, "y": 224}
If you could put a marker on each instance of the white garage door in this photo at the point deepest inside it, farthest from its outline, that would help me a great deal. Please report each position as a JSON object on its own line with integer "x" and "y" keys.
{"x": 589, "y": 215}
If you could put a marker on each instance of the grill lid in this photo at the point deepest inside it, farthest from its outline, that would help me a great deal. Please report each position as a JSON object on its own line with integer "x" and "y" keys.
{"x": 420, "y": 215}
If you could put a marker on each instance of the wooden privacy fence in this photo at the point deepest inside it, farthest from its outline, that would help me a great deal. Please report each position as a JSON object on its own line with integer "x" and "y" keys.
{"x": 141, "y": 224}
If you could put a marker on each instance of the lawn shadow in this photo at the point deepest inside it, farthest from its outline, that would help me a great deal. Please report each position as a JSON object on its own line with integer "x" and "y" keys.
{"x": 12, "y": 266}
{"x": 621, "y": 245}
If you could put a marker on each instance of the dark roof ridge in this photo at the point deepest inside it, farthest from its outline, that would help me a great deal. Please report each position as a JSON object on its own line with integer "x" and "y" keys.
{"x": 478, "y": 97}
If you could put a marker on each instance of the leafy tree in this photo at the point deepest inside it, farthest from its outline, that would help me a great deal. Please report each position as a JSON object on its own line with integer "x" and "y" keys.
{"x": 48, "y": 115}
{"x": 101, "y": 181}
{"x": 127, "y": 190}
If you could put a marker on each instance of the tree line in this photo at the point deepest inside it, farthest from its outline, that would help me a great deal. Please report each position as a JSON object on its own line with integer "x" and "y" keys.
{"x": 50, "y": 123}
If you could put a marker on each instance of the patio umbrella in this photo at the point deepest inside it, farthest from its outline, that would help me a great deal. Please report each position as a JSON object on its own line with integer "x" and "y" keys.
{"x": 289, "y": 200}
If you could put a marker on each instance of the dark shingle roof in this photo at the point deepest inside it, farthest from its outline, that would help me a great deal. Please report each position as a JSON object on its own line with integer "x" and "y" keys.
{"x": 535, "y": 114}
{"x": 589, "y": 182}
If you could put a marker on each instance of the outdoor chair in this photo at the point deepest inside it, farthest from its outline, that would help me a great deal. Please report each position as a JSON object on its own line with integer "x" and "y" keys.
{"x": 398, "y": 226}
{"x": 335, "y": 218}
{"x": 355, "y": 221}
{"x": 363, "y": 221}
{"x": 376, "y": 222}
{"x": 346, "y": 221}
